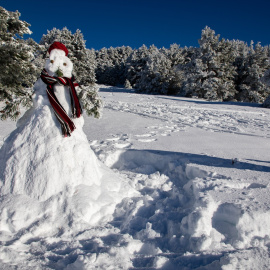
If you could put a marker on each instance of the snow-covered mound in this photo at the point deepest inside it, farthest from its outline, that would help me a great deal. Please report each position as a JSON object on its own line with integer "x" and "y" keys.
{"x": 201, "y": 171}
{"x": 45, "y": 176}
{"x": 37, "y": 161}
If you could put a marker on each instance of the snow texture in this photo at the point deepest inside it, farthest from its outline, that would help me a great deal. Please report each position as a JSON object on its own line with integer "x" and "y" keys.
{"x": 200, "y": 187}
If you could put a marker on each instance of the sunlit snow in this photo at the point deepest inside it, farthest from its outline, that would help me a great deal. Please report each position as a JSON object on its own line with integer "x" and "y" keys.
{"x": 195, "y": 195}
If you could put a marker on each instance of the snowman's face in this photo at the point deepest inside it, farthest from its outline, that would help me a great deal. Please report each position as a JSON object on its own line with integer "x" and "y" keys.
{"x": 59, "y": 61}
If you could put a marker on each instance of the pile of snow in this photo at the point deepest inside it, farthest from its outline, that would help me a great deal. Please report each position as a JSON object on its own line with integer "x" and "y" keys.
{"x": 50, "y": 184}
{"x": 200, "y": 171}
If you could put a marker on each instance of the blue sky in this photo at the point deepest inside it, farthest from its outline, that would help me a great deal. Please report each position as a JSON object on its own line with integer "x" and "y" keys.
{"x": 106, "y": 23}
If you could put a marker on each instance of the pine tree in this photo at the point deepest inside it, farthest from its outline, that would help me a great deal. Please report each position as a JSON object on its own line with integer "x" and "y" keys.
{"x": 213, "y": 72}
{"x": 266, "y": 77}
{"x": 103, "y": 65}
{"x": 17, "y": 72}
{"x": 250, "y": 72}
{"x": 175, "y": 54}
{"x": 39, "y": 53}
{"x": 135, "y": 64}
{"x": 111, "y": 65}
{"x": 242, "y": 50}
{"x": 149, "y": 78}
{"x": 158, "y": 76}
{"x": 179, "y": 58}
{"x": 90, "y": 100}
{"x": 266, "y": 80}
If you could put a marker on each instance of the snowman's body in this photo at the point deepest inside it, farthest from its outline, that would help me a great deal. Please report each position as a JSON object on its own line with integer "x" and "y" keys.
{"x": 37, "y": 161}
{"x": 63, "y": 96}
{"x": 58, "y": 61}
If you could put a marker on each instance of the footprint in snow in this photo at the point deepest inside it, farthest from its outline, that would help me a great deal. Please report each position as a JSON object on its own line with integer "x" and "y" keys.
{"x": 113, "y": 139}
{"x": 147, "y": 140}
{"x": 122, "y": 145}
{"x": 148, "y": 137}
{"x": 144, "y": 135}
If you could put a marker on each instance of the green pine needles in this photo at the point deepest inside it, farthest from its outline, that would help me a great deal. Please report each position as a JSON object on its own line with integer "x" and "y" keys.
{"x": 90, "y": 100}
{"x": 59, "y": 72}
{"x": 17, "y": 70}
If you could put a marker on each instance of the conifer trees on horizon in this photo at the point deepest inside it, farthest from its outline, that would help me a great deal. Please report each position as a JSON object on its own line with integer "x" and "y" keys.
{"x": 219, "y": 69}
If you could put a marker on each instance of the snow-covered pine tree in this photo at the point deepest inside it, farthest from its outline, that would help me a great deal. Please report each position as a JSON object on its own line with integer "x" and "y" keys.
{"x": 111, "y": 64}
{"x": 150, "y": 76}
{"x": 242, "y": 50}
{"x": 84, "y": 66}
{"x": 186, "y": 70}
{"x": 213, "y": 73}
{"x": 17, "y": 71}
{"x": 250, "y": 72}
{"x": 226, "y": 71}
{"x": 135, "y": 64}
{"x": 158, "y": 76}
{"x": 179, "y": 58}
{"x": 103, "y": 65}
{"x": 266, "y": 81}
{"x": 175, "y": 54}
{"x": 116, "y": 68}
{"x": 90, "y": 100}
{"x": 39, "y": 55}
{"x": 85, "y": 60}
{"x": 122, "y": 55}
{"x": 266, "y": 77}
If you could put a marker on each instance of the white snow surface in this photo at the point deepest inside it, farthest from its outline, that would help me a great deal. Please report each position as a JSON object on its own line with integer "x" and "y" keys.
{"x": 180, "y": 184}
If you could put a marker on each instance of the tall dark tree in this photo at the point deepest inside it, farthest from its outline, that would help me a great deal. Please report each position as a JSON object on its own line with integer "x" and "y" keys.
{"x": 135, "y": 64}
{"x": 111, "y": 64}
{"x": 212, "y": 71}
{"x": 159, "y": 76}
{"x": 251, "y": 69}
{"x": 18, "y": 73}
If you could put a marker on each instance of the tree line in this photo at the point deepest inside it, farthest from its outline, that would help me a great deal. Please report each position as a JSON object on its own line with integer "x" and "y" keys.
{"x": 218, "y": 69}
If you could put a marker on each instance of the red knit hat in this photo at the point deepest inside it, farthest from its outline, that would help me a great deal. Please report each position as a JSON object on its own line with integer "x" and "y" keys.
{"x": 59, "y": 46}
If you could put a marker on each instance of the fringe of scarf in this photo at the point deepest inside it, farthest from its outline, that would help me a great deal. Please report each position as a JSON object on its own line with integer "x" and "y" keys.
{"x": 67, "y": 124}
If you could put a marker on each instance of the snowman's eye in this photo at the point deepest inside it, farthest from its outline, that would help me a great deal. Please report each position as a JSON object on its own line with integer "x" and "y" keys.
{"x": 65, "y": 64}
{"x": 51, "y": 61}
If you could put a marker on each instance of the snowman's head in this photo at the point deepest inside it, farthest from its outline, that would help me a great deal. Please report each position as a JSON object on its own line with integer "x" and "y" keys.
{"x": 58, "y": 63}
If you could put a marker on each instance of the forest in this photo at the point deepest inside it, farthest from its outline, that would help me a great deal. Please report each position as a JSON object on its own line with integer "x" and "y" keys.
{"x": 216, "y": 70}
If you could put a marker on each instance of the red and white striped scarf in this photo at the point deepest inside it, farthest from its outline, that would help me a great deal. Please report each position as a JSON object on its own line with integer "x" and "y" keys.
{"x": 67, "y": 124}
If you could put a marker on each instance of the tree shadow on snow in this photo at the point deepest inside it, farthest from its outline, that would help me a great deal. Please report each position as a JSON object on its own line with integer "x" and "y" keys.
{"x": 158, "y": 160}
{"x": 114, "y": 89}
{"x": 205, "y": 102}
{"x": 118, "y": 89}
{"x": 156, "y": 216}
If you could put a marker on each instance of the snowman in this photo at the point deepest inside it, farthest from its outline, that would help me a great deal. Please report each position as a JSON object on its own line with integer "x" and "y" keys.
{"x": 48, "y": 155}
{"x": 57, "y": 75}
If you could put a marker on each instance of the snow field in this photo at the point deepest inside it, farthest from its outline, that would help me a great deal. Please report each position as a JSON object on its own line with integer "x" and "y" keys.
{"x": 201, "y": 171}
{"x": 222, "y": 211}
